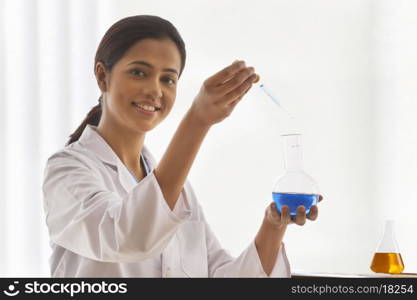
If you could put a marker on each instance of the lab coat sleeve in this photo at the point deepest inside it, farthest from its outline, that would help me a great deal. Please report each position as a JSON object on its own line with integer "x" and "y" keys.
{"x": 83, "y": 216}
{"x": 247, "y": 264}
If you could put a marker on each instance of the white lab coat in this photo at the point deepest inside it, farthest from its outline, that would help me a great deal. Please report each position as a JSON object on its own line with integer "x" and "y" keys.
{"x": 102, "y": 223}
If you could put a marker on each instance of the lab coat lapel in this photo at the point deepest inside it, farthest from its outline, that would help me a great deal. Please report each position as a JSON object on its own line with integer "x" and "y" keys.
{"x": 92, "y": 140}
{"x": 126, "y": 179}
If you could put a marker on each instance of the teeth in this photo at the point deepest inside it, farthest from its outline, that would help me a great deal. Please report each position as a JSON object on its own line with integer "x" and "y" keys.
{"x": 145, "y": 107}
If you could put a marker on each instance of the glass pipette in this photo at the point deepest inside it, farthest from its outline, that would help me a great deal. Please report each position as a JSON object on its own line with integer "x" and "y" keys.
{"x": 266, "y": 90}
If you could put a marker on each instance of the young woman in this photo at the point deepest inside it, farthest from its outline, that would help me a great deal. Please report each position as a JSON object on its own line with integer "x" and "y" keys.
{"x": 111, "y": 209}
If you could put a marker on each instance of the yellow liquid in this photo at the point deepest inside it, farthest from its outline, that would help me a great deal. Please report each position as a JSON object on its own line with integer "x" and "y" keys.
{"x": 391, "y": 263}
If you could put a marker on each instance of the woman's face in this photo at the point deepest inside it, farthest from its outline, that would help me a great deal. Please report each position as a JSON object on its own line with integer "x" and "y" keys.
{"x": 142, "y": 85}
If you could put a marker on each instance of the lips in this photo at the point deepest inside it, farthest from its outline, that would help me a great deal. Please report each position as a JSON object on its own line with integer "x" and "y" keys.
{"x": 147, "y": 107}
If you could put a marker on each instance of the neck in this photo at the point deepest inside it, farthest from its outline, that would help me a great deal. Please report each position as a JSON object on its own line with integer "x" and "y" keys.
{"x": 293, "y": 152}
{"x": 294, "y": 160}
{"x": 127, "y": 144}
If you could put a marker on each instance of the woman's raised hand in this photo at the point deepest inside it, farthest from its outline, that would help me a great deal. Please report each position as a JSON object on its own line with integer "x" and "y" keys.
{"x": 221, "y": 92}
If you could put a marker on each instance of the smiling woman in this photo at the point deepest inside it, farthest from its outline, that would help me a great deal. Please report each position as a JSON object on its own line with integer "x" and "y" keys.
{"x": 112, "y": 210}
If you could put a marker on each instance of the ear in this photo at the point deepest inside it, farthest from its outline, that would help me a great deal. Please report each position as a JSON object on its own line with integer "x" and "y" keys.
{"x": 101, "y": 76}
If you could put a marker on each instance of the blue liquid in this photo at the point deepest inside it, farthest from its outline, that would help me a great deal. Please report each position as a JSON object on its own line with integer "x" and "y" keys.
{"x": 293, "y": 200}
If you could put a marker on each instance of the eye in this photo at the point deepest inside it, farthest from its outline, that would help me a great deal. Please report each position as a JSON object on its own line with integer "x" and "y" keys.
{"x": 137, "y": 72}
{"x": 169, "y": 80}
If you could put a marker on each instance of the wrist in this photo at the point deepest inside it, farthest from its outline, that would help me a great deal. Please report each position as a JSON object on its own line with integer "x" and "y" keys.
{"x": 191, "y": 117}
{"x": 268, "y": 225}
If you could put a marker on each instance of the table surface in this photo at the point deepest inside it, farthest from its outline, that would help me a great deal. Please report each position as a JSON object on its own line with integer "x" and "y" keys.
{"x": 301, "y": 274}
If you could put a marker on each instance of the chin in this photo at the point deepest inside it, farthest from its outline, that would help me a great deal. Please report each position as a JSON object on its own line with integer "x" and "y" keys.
{"x": 143, "y": 128}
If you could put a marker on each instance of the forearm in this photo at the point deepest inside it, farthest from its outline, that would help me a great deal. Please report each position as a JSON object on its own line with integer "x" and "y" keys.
{"x": 268, "y": 242}
{"x": 173, "y": 169}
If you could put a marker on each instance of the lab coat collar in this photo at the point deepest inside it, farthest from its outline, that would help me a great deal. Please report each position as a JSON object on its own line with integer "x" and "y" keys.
{"x": 91, "y": 140}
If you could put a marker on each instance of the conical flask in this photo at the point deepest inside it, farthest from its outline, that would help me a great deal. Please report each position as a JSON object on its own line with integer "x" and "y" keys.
{"x": 387, "y": 258}
{"x": 295, "y": 187}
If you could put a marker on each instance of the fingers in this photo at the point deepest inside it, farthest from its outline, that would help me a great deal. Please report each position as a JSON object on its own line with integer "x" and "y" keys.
{"x": 284, "y": 218}
{"x": 300, "y": 219}
{"x": 233, "y": 82}
{"x": 285, "y": 215}
{"x": 273, "y": 208}
{"x": 241, "y": 90}
{"x": 226, "y": 74}
{"x": 237, "y": 80}
{"x": 274, "y": 212}
{"x": 320, "y": 198}
{"x": 314, "y": 212}
{"x": 273, "y": 215}
{"x": 233, "y": 104}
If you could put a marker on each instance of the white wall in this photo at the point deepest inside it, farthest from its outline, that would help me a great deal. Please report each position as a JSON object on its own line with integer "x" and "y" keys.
{"x": 395, "y": 46}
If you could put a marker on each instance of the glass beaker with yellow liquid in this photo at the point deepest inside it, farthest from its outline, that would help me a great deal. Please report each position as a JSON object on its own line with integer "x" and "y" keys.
{"x": 387, "y": 258}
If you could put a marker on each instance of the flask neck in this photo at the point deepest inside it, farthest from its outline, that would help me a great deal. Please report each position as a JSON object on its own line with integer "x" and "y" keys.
{"x": 389, "y": 229}
{"x": 389, "y": 243}
{"x": 293, "y": 153}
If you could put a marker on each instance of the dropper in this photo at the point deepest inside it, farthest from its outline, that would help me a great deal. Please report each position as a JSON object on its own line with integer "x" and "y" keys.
{"x": 266, "y": 90}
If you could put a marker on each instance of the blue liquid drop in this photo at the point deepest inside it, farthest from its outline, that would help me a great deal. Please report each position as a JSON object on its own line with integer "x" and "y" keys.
{"x": 293, "y": 200}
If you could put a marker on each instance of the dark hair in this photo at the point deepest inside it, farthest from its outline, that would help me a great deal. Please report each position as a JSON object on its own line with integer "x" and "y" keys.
{"x": 116, "y": 42}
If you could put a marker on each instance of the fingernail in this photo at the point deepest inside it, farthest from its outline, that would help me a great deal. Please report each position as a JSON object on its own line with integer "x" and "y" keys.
{"x": 257, "y": 78}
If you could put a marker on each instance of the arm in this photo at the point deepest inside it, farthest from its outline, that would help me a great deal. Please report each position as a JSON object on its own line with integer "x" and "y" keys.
{"x": 247, "y": 264}
{"x": 268, "y": 241}
{"x": 215, "y": 101}
{"x": 173, "y": 169}
{"x": 87, "y": 218}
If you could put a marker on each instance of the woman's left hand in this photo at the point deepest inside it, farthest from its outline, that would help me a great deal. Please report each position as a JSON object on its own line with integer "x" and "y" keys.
{"x": 277, "y": 219}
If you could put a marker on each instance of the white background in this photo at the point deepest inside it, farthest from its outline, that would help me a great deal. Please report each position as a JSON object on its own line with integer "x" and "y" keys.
{"x": 345, "y": 68}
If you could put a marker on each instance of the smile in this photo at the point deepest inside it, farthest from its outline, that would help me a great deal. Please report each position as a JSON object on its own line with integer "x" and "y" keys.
{"x": 146, "y": 107}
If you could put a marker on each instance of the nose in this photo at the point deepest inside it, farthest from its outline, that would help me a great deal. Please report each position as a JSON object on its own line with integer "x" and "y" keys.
{"x": 152, "y": 89}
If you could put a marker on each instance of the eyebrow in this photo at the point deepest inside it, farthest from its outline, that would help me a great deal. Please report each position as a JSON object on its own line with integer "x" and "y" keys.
{"x": 150, "y": 66}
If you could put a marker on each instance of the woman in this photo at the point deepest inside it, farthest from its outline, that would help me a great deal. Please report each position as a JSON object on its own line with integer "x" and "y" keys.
{"x": 111, "y": 210}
